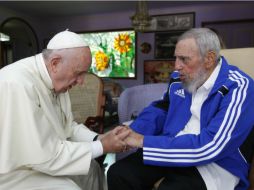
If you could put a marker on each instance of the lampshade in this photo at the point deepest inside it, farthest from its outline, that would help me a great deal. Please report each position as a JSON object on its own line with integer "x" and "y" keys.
{"x": 4, "y": 37}
{"x": 141, "y": 19}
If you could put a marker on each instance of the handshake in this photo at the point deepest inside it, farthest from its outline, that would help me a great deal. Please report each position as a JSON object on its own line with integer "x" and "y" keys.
{"x": 121, "y": 139}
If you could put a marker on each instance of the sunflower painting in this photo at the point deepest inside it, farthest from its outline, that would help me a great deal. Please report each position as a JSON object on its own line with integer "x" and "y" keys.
{"x": 113, "y": 53}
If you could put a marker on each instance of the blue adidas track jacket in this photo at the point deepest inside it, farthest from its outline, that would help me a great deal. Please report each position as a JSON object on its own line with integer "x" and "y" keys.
{"x": 227, "y": 116}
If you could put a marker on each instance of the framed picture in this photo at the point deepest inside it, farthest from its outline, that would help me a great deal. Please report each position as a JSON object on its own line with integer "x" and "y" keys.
{"x": 233, "y": 33}
{"x": 156, "y": 71}
{"x": 113, "y": 53}
{"x": 165, "y": 44}
{"x": 181, "y": 21}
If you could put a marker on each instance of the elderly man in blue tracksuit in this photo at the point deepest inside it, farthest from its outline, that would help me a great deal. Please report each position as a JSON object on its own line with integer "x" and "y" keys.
{"x": 192, "y": 138}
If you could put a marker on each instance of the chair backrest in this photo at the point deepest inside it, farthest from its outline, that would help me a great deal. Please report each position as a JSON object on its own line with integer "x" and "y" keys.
{"x": 88, "y": 100}
{"x": 134, "y": 99}
{"x": 242, "y": 58}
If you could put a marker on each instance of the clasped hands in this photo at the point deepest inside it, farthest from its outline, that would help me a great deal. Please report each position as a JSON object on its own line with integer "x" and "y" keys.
{"x": 121, "y": 139}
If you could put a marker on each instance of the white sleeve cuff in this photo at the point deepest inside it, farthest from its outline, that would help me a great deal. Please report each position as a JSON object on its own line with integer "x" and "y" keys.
{"x": 97, "y": 149}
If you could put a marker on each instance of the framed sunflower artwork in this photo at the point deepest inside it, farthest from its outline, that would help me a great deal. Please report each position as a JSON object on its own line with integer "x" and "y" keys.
{"x": 113, "y": 53}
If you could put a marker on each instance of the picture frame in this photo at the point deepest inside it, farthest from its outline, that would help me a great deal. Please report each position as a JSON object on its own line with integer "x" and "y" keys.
{"x": 157, "y": 71}
{"x": 233, "y": 33}
{"x": 114, "y": 52}
{"x": 164, "y": 45}
{"x": 169, "y": 22}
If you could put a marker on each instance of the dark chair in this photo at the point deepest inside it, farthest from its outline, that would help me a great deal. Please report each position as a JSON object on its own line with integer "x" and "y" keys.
{"x": 247, "y": 150}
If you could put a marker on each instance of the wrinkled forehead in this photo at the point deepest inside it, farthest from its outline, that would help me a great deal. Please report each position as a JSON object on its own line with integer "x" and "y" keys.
{"x": 84, "y": 59}
{"x": 187, "y": 46}
{"x": 88, "y": 54}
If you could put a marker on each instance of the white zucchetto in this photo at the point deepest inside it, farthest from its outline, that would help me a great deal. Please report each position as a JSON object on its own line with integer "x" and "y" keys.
{"x": 66, "y": 39}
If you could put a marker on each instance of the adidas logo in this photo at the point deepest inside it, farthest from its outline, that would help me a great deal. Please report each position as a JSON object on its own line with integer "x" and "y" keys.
{"x": 180, "y": 92}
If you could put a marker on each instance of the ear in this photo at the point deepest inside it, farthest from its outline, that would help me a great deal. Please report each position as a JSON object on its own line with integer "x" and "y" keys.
{"x": 210, "y": 60}
{"x": 54, "y": 63}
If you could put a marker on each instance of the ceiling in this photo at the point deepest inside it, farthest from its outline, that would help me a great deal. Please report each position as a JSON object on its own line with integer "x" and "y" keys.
{"x": 74, "y": 8}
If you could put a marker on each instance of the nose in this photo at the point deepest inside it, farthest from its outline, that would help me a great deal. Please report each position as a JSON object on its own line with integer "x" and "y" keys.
{"x": 178, "y": 64}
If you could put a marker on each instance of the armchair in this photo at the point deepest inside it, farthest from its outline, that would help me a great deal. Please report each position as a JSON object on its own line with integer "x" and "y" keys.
{"x": 244, "y": 58}
{"x": 134, "y": 99}
{"x": 87, "y": 102}
{"x": 130, "y": 103}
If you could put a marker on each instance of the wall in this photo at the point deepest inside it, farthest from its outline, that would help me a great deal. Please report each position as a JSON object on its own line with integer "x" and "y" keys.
{"x": 207, "y": 12}
{"x": 36, "y": 23}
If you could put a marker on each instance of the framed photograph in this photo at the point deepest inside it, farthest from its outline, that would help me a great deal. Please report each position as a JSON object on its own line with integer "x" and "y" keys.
{"x": 181, "y": 21}
{"x": 156, "y": 71}
{"x": 165, "y": 44}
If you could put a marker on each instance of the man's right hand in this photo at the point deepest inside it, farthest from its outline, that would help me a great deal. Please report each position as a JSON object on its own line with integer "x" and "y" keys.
{"x": 113, "y": 141}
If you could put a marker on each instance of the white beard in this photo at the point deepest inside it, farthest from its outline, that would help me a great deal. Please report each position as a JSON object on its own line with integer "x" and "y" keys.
{"x": 199, "y": 79}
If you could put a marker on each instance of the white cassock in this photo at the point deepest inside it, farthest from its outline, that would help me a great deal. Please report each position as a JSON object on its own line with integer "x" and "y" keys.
{"x": 40, "y": 145}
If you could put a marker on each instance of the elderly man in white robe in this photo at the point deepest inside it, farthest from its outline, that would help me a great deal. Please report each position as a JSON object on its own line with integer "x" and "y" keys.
{"x": 41, "y": 147}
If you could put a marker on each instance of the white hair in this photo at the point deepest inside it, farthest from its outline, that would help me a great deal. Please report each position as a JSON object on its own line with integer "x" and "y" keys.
{"x": 206, "y": 40}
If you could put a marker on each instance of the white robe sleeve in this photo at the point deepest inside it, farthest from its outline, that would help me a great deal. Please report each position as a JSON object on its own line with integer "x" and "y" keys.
{"x": 73, "y": 158}
{"x": 81, "y": 133}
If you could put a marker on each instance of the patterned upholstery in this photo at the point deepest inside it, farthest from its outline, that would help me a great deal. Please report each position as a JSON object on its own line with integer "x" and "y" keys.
{"x": 87, "y": 102}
